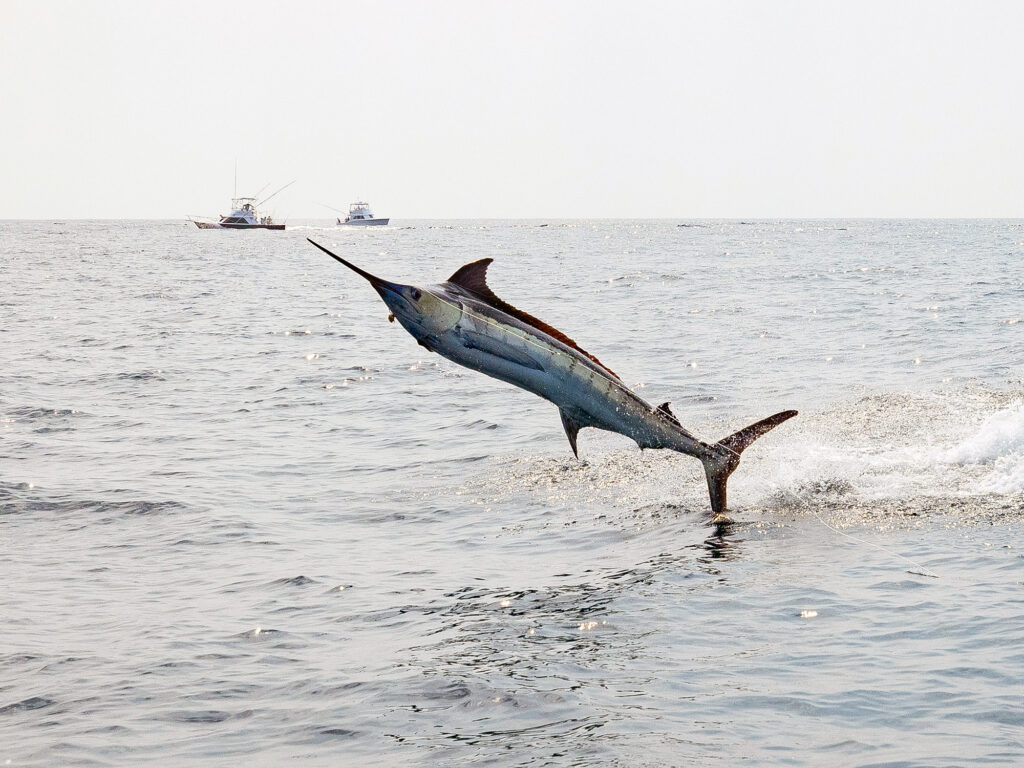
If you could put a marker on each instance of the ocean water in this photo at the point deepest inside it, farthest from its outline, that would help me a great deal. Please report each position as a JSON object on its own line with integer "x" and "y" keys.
{"x": 245, "y": 520}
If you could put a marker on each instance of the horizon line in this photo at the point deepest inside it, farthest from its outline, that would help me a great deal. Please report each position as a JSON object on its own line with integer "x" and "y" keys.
{"x": 567, "y": 218}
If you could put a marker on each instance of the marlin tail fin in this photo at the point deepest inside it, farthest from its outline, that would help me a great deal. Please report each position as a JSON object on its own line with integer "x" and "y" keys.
{"x": 718, "y": 468}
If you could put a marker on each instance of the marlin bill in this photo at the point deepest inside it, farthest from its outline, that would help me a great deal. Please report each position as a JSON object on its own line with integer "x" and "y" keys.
{"x": 463, "y": 320}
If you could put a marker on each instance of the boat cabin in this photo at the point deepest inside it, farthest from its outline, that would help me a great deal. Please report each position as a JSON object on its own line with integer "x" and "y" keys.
{"x": 359, "y": 212}
{"x": 245, "y": 213}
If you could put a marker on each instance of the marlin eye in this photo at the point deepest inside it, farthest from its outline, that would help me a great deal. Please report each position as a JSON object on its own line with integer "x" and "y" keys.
{"x": 415, "y": 293}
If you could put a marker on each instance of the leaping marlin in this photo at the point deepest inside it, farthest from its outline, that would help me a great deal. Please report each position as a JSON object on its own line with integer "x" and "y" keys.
{"x": 463, "y": 320}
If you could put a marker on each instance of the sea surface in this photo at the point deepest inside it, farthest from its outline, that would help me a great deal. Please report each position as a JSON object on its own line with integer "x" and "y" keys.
{"x": 244, "y": 520}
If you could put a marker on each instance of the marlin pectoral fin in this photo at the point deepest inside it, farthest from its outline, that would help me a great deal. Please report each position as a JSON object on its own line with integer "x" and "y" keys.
{"x": 492, "y": 347}
{"x": 572, "y": 428}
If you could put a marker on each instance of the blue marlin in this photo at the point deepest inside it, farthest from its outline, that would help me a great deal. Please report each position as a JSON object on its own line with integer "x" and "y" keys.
{"x": 463, "y": 320}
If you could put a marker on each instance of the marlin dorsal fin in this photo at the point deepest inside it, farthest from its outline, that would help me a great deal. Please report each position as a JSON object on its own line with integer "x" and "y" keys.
{"x": 473, "y": 278}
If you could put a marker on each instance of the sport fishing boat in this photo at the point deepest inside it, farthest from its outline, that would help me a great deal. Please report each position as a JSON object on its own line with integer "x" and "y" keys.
{"x": 360, "y": 215}
{"x": 244, "y": 215}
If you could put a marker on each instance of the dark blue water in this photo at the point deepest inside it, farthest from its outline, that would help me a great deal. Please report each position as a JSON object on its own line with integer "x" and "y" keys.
{"x": 243, "y": 518}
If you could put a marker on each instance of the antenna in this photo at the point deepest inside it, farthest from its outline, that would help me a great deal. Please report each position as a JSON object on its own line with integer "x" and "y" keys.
{"x": 282, "y": 189}
{"x": 236, "y": 177}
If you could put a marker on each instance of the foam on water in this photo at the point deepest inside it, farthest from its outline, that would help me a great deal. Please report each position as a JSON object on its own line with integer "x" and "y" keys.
{"x": 997, "y": 444}
{"x": 900, "y": 453}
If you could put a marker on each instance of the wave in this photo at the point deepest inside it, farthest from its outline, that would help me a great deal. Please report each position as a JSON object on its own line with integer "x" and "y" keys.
{"x": 36, "y": 413}
{"x": 21, "y": 498}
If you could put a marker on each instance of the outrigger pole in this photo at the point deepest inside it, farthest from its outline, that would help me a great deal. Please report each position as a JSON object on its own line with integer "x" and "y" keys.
{"x": 338, "y": 210}
{"x": 261, "y": 190}
{"x": 282, "y": 189}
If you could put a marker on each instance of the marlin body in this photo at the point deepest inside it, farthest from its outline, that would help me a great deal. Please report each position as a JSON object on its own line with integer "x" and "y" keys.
{"x": 464, "y": 321}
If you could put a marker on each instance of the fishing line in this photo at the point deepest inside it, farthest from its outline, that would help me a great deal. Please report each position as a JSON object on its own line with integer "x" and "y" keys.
{"x": 923, "y": 570}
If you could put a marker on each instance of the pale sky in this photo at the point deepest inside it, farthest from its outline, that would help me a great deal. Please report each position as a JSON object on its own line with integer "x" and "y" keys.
{"x": 513, "y": 109}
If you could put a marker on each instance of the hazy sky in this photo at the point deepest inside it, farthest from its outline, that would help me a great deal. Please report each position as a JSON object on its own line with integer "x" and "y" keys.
{"x": 517, "y": 109}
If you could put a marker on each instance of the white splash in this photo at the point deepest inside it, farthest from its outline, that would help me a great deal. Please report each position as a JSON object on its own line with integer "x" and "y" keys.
{"x": 998, "y": 442}
{"x": 893, "y": 449}
{"x": 998, "y": 436}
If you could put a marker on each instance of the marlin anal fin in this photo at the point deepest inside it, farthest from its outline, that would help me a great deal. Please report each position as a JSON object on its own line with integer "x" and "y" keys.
{"x": 572, "y": 428}
{"x": 473, "y": 278}
{"x": 668, "y": 412}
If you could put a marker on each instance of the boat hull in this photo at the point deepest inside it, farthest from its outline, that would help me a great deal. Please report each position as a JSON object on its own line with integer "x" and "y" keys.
{"x": 216, "y": 225}
{"x": 253, "y": 226}
{"x": 364, "y": 223}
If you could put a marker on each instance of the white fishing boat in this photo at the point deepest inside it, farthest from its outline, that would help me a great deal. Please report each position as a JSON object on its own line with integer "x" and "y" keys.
{"x": 360, "y": 215}
{"x": 244, "y": 215}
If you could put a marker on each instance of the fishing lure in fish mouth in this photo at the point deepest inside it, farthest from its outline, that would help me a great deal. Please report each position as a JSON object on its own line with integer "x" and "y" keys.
{"x": 463, "y": 320}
